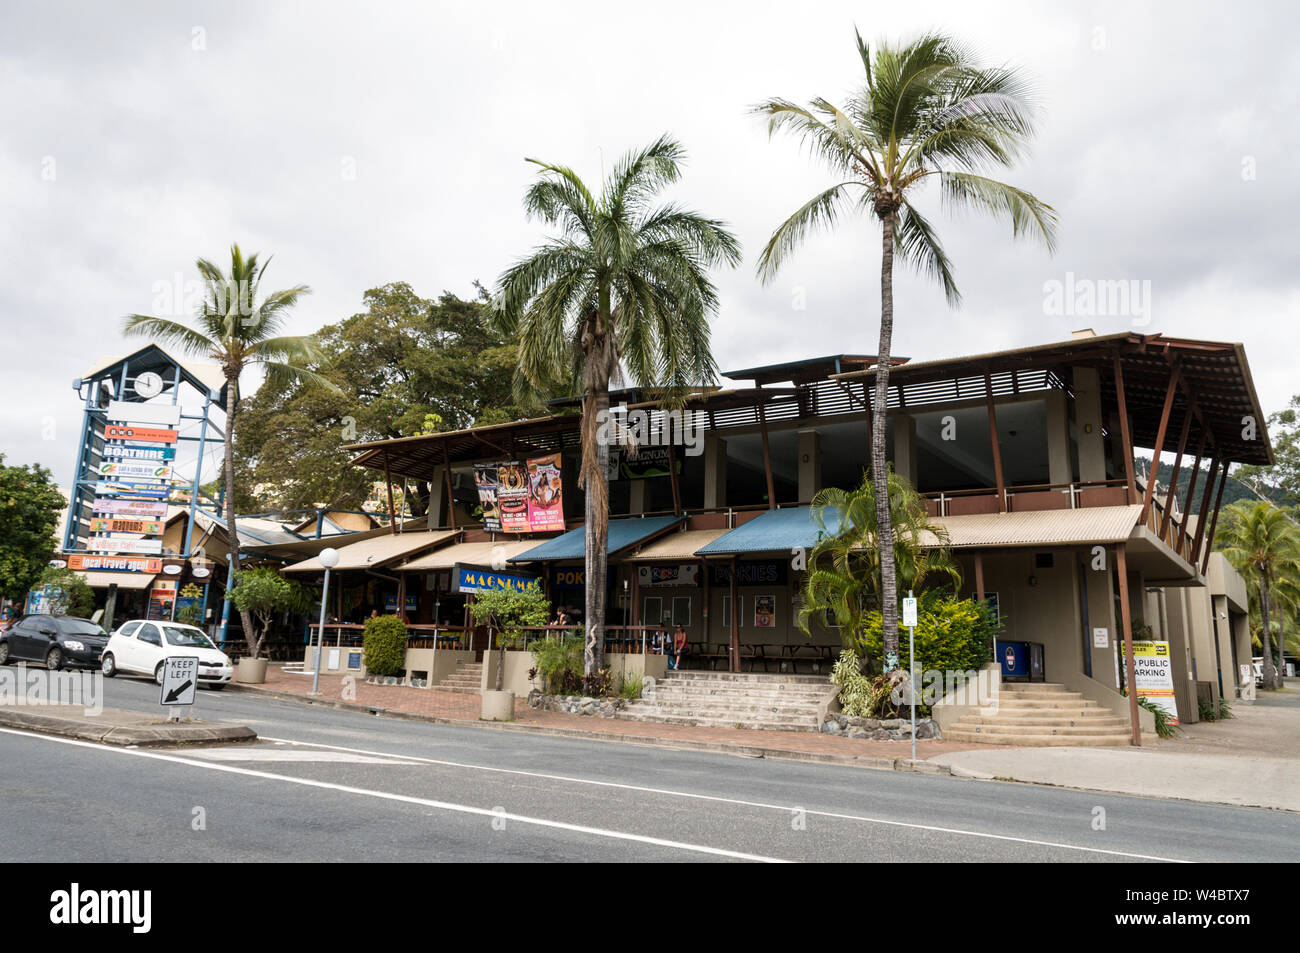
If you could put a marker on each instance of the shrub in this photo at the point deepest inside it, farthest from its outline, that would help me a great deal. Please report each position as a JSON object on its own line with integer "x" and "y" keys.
{"x": 598, "y": 685}
{"x": 1164, "y": 728}
{"x": 507, "y": 613}
{"x": 631, "y": 685}
{"x": 559, "y": 660}
{"x": 862, "y": 696}
{"x": 384, "y": 645}
{"x": 68, "y": 593}
{"x": 951, "y": 634}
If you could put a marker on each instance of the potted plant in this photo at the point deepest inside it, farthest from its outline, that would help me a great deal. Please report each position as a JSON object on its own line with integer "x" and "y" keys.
{"x": 507, "y": 613}
{"x": 262, "y": 592}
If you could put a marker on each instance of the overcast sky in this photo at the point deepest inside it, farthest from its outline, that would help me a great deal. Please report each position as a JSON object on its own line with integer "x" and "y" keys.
{"x": 376, "y": 142}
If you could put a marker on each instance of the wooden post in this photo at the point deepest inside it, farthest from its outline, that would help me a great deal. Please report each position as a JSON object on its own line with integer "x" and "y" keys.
{"x": 1205, "y": 508}
{"x": 767, "y": 453}
{"x": 1173, "y": 477}
{"x": 635, "y": 613}
{"x": 1159, "y": 447}
{"x": 1126, "y": 435}
{"x": 993, "y": 440}
{"x": 735, "y": 621}
{"x": 388, "y": 485}
{"x": 446, "y": 470}
{"x": 1214, "y": 521}
{"x": 979, "y": 577}
{"x": 672, "y": 476}
{"x": 1126, "y": 618}
{"x": 1191, "y": 492}
{"x": 401, "y": 595}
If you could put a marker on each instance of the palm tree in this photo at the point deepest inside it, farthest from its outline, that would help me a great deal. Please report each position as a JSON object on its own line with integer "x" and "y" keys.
{"x": 235, "y": 329}
{"x": 1263, "y": 544}
{"x": 923, "y": 111}
{"x": 624, "y": 286}
{"x": 844, "y": 578}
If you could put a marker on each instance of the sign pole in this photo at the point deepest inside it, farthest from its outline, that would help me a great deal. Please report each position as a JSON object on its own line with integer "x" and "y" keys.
{"x": 320, "y": 635}
{"x": 909, "y": 620}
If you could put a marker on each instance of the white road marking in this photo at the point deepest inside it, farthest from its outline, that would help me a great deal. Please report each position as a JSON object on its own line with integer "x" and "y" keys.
{"x": 741, "y": 803}
{"x": 289, "y": 754}
{"x": 407, "y": 799}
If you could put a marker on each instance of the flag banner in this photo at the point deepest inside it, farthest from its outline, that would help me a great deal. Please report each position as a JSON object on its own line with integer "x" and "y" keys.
{"x": 136, "y": 471}
{"x": 134, "y": 433}
{"x": 146, "y": 527}
{"x": 545, "y": 496}
{"x": 125, "y": 544}
{"x": 96, "y": 563}
{"x": 138, "y": 508}
{"x": 134, "y": 489}
{"x": 485, "y": 479}
{"x": 138, "y": 451}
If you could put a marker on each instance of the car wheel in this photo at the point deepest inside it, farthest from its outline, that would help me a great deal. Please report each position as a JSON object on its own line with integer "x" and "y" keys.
{"x": 158, "y": 672}
{"x": 54, "y": 659}
{"x": 217, "y": 686}
{"x": 108, "y": 665}
{"x": 4, "y": 653}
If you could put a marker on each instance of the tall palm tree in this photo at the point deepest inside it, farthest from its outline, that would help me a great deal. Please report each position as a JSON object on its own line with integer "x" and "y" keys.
{"x": 236, "y": 327}
{"x": 844, "y": 580}
{"x": 924, "y": 111}
{"x": 1263, "y": 544}
{"x": 623, "y": 287}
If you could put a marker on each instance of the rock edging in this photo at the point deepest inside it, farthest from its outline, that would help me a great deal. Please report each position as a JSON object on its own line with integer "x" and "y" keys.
{"x": 879, "y": 729}
{"x": 576, "y": 704}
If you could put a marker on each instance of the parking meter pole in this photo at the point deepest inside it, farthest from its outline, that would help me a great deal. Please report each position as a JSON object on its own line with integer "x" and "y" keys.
{"x": 911, "y": 677}
{"x": 320, "y": 635}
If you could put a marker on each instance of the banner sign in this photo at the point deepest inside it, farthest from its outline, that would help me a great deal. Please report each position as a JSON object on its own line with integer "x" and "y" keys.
{"x": 144, "y": 527}
{"x": 134, "y": 489}
{"x": 160, "y": 604}
{"x": 125, "y": 544}
{"x": 131, "y": 451}
{"x": 752, "y": 572}
{"x": 568, "y": 577}
{"x": 473, "y": 579}
{"x": 1153, "y": 672}
{"x": 641, "y": 464}
{"x": 95, "y": 563}
{"x": 137, "y": 413}
{"x": 685, "y": 574}
{"x": 390, "y": 603}
{"x": 138, "y": 508}
{"x": 485, "y": 479}
{"x": 764, "y": 612}
{"x": 521, "y": 497}
{"x": 145, "y": 434}
{"x": 138, "y": 471}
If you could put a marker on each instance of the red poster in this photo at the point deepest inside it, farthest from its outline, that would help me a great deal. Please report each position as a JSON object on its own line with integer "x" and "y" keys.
{"x": 545, "y": 499}
{"x": 512, "y": 497}
{"x": 147, "y": 434}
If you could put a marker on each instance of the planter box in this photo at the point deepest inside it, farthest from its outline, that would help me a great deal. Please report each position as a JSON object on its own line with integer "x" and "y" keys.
{"x": 250, "y": 671}
{"x": 498, "y": 706}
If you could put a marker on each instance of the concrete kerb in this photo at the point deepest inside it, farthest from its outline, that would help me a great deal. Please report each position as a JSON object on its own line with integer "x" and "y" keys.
{"x": 716, "y": 747}
{"x": 144, "y": 734}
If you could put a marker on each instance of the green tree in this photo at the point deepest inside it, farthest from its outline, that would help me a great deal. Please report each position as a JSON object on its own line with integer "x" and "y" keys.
{"x": 260, "y": 593}
{"x": 237, "y": 327}
{"x": 29, "y": 515}
{"x": 844, "y": 584}
{"x": 624, "y": 288}
{"x": 1280, "y": 482}
{"x": 75, "y": 598}
{"x": 506, "y": 613}
{"x": 1262, "y": 542}
{"x": 924, "y": 111}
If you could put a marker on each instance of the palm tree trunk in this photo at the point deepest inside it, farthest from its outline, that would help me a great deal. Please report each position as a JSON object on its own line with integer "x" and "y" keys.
{"x": 879, "y": 465}
{"x": 1270, "y": 673}
{"x": 251, "y": 638}
{"x": 596, "y": 536}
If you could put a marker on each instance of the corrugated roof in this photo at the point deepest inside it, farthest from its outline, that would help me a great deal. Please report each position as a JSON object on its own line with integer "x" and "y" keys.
{"x": 1098, "y": 524}
{"x": 470, "y": 554}
{"x": 622, "y": 533}
{"x": 775, "y": 530}
{"x": 376, "y": 551}
{"x": 682, "y": 545}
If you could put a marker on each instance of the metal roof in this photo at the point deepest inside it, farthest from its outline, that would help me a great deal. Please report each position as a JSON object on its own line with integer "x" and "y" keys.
{"x": 470, "y": 554}
{"x": 1099, "y": 524}
{"x": 683, "y": 545}
{"x": 623, "y": 533}
{"x": 376, "y": 551}
{"x": 776, "y": 530}
{"x": 808, "y": 369}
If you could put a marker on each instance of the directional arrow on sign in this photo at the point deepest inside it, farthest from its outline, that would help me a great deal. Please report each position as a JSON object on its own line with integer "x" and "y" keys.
{"x": 178, "y": 691}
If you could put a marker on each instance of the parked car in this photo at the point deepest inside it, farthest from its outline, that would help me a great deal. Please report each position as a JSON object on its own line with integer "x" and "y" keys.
{"x": 1258, "y": 664}
{"x": 141, "y": 647}
{"x": 56, "y": 640}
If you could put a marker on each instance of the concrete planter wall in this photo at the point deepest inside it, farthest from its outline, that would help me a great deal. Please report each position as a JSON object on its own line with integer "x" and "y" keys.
{"x": 576, "y": 704}
{"x": 498, "y": 706}
{"x": 250, "y": 671}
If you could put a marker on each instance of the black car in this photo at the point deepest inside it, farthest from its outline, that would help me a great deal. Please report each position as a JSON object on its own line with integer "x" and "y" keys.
{"x": 56, "y": 640}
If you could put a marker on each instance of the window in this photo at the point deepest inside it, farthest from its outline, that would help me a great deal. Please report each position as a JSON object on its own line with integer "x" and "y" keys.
{"x": 726, "y": 612}
{"x": 682, "y": 611}
{"x": 652, "y": 610}
{"x": 149, "y": 633}
{"x": 128, "y": 630}
{"x": 186, "y": 637}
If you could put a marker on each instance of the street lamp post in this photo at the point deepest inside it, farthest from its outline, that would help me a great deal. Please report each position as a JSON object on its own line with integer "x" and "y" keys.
{"x": 329, "y": 558}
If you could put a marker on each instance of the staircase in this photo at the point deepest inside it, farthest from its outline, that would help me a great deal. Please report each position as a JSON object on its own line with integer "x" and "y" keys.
{"x": 466, "y": 680}
{"x": 733, "y": 700}
{"x": 1041, "y": 714}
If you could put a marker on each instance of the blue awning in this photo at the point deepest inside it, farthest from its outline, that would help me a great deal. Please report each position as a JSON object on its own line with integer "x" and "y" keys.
{"x": 623, "y": 533}
{"x": 775, "y": 531}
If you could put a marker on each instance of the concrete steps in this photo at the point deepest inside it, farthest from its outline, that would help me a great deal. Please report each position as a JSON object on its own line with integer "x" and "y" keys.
{"x": 466, "y": 680}
{"x": 1041, "y": 714}
{"x": 733, "y": 700}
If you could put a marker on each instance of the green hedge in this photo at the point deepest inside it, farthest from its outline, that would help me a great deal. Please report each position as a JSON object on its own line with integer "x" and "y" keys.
{"x": 951, "y": 634}
{"x": 384, "y": 645}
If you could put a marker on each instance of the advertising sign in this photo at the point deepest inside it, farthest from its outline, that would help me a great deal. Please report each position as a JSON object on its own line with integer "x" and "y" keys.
{"x": 133, "y": 489}
{"x": 131, "y": 451}
{"x": 125, "y": 544}
{"x": 475, "y": 579}
{"x": 142, "y": 509}
{"x": 545, "y": 497}
{"x": 765, "y": 612}
{"x": 136, "y": 470}
{"x": 145, "y": 434}
{"x": 135, "y": 412}
{"x": 1153, "y": 673}
{"x": 568, "y": 577}
{"x": 160, "y": 604}
{"x": 485, "y": 480}
{"x": 146, "y": 527}
{"x": 390, "y": 603}
{"x": 512, "y": 497}
{"x": 643, "y": 463}
{"x": 752, "y": 572}
{"x": 97, "y": 563}
{"x": 684, "y": 574}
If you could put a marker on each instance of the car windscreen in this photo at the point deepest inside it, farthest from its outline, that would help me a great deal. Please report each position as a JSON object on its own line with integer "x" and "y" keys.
{"x": 82, "y": 627}
{"x": 190, "y": 638}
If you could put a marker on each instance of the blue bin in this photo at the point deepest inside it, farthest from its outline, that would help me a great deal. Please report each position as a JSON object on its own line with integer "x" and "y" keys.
{"x": 1014, "y": 657}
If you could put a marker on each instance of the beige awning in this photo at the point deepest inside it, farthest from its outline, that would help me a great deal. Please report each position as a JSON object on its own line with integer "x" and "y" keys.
{"x": 677, "y": 545}
{"x": 377, "y": 551}
{"x": 469, "y": 554}
{"x": 123, "y": 580}
{"x": 1099, "y": 524}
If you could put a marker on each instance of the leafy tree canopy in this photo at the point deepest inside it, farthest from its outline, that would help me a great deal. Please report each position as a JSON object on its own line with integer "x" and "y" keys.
{"x": 29, "y": 513}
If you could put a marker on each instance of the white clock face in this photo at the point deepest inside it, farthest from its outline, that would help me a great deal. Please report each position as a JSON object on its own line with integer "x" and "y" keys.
{"x": 148, "y": 384}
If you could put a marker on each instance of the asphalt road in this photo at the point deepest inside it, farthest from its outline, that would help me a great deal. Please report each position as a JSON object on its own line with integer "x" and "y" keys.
{"x": 328, "y": 785}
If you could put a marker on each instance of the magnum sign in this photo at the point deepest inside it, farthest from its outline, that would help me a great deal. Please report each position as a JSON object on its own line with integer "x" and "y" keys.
{"x": 147, "y": 527}
{"x": 143, "y": 434}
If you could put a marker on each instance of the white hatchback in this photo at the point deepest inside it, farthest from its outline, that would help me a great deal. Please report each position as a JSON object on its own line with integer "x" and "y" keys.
{"x": 140, "y": 648}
